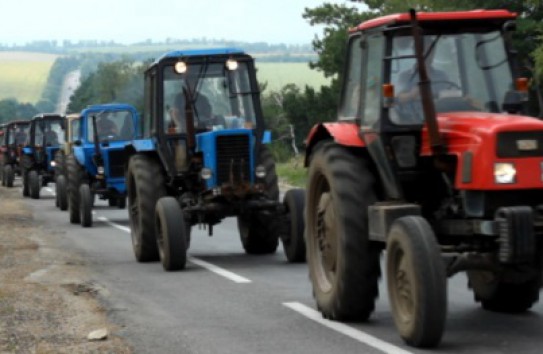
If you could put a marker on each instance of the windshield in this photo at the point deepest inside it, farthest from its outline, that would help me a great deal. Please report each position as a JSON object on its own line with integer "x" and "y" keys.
{"x": 111, "y": 125}
{"x": 468, "y": 72}
{"x": 49, "y": 129}
{"x": 18, "y": 134}
{"x": 221, "y": 98}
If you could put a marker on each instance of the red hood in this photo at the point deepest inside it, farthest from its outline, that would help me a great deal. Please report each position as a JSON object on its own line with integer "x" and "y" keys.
{"x": 465, "y": 130}
{"x": 475, "y": 134}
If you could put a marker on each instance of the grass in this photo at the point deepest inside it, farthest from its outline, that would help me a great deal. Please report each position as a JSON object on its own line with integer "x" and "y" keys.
{"x": 293, "y": 172}
{"x": 278, "y": 75}
{"x": 24, "y": 75}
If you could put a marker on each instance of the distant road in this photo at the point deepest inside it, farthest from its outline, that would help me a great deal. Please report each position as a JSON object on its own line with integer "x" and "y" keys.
{"x": 70, "y": 84}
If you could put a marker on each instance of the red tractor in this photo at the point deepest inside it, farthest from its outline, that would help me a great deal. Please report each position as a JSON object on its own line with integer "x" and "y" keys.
{"x": 432, "y": 160}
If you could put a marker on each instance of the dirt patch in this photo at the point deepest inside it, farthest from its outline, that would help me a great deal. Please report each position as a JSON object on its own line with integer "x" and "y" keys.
{"x": 48, "y": 303}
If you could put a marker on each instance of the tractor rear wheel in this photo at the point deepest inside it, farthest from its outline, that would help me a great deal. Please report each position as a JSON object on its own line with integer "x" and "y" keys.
{"x": 145, "y": 186}
{"x": 62, "y": 192}
{"x": 34, "y": 184}
{"x": 259, "y": 231}
{"x": 171, "y": 234}
{"x": 26, "y": 189}
{"x": 417, "y": 283}
{"x": 85, "y": 205}
{"x": 293, "y": 237}
{"x": 9, "y": 175}
{"x": 75, "y": 175}
{"x": 60, "y": 163}
{"x": 112, "y": 201}
{"x": 343, "y": 263}
{"x": 497, "y": 295}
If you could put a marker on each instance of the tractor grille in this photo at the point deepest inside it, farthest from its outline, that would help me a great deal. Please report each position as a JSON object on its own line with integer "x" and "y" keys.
{"x": 233, "y": 154}
{"x": 520, "y": 144}
{"x": 117, "y": 160}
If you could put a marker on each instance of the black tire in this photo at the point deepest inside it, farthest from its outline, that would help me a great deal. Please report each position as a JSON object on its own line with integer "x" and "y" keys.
{"x": 62, "y": 192}
{"x": 344, "y": 277}
{"x": 145, "y": 185}
{"x": 121, "y": 202}
{"x": 417, "y": 282}
{"x": 9, "y": 174}
{"x": 75, "y": 175}
{"x": 259, "y": 231}
{"x": 507, "y": 297}
{"x": 34, "y": 184}
{"x": 60, "y": 163}
{"x": 171, "y": 234}
{"x": 26, "y": 189}
{"x": 85, "y": 205}
{"x": 112, "y": 201}
{"x": 293, "y": 239}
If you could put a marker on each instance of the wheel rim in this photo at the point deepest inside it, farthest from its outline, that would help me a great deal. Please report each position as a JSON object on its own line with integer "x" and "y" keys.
{"x": 402, "y": 288}
{"x": 325, "y": 246}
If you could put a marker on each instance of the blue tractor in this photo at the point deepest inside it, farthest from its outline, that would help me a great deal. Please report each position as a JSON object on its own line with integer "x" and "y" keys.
{"x": 38, "y": 158}
{"x": 96, "y": 164}
{"x": 202, "y": 157}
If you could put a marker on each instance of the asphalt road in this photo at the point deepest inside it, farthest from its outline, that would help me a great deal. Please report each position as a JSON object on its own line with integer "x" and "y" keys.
{"x": 229, "y": 302}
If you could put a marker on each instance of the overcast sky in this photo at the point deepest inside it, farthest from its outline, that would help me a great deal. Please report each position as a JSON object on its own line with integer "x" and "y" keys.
{"x": 129, "y": 21}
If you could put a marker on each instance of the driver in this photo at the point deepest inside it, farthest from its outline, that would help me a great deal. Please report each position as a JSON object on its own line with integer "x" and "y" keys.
{"x": 408, "y": 80}
{"x": 106, "y": 127}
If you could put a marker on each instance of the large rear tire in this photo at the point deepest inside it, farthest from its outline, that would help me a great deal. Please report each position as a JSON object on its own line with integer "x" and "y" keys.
{"x": 34, "y": 184}
{"x": 26, "y": 189}
{"x": 343, "y": 263}
{"x": 75, "y": 175}
{"x": 417, "y": 283}
{"x": 293, "y": 237}
{"x": 259, "y": 231}
{"x": 62, "y": 192}
{"x": 85, "y": 205}
{"x": 145, "y": 186}
{"x": 171, "y": 234}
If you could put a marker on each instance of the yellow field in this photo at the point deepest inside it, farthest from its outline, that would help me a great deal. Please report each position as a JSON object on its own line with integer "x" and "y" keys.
{"x": 279, "y": 74}
{"x": 24, "y": 75}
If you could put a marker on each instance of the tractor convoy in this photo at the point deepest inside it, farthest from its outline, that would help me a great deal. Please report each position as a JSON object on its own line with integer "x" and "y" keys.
{"x": 432, "y": 162}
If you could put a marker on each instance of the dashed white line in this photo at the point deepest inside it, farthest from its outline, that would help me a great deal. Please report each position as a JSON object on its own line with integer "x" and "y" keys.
{"x": 220, "y": 271}
{"x": 349, "y": 331}
{"x": 211, "y": 267}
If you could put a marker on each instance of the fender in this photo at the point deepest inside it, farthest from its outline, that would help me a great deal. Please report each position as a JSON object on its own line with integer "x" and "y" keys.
{"x": 346, "y": 134}
{"x": 79, "y": 154}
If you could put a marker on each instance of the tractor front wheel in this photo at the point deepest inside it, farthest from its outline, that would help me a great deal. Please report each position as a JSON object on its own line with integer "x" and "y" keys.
{"x": 74, "y": 181}
{"x": 293, "y": 237}
{"x": 9, "y": 175}
{"x": 417, "y": 283}
{"x": 85, "y": 205}
{"x": 171, "y": 234}
{"x": 34, "y": 184}
{"x": 145, "y": 186}
{"x": 343, "y": 263}
{"x": 62, "y": 192}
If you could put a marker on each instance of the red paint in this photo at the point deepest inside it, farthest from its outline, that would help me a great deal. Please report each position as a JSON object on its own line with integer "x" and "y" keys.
{"x": 436, "y": 16}
{"x": 477, "y": 132}
{"x": 343, "y": 133}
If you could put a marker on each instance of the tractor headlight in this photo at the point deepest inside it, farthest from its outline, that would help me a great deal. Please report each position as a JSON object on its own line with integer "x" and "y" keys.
{"x": 504, "y": 172}
{"x": 260, "y": 171}
{"x": 206, "y": 173}
{"x": 231, "y": 64}
{"x": 100, "y": 170}
{"x": 180, "y": 67}
{"x": 53, "y": 163}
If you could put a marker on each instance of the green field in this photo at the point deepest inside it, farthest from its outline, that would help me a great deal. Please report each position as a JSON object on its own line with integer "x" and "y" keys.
{"x": 24, "y": 75}
{"x": 278, "y": 75}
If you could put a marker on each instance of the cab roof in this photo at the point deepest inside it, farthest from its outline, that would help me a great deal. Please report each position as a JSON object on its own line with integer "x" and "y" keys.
{"x": 405, "y": 18}
{"x": 200, "y": 52}
{"x": 108, "y": 107}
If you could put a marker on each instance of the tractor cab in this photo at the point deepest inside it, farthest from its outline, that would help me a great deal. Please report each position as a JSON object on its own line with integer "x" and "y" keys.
{"x": 14, "y": 139}
{"x": 46, "y": 138}
{"x": 205, "y": 100}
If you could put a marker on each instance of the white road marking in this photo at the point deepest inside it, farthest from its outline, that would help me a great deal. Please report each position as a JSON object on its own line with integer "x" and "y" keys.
{"x": 50, "y": 190}
{"x": 346, "y": 330}
{"x": 220, "y": 271}
{"x": 211, "y": 267}
{"x": 117, "y": 226}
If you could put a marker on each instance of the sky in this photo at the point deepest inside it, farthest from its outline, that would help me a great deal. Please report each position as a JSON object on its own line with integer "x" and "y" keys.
{"x": 130, "y": 21}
